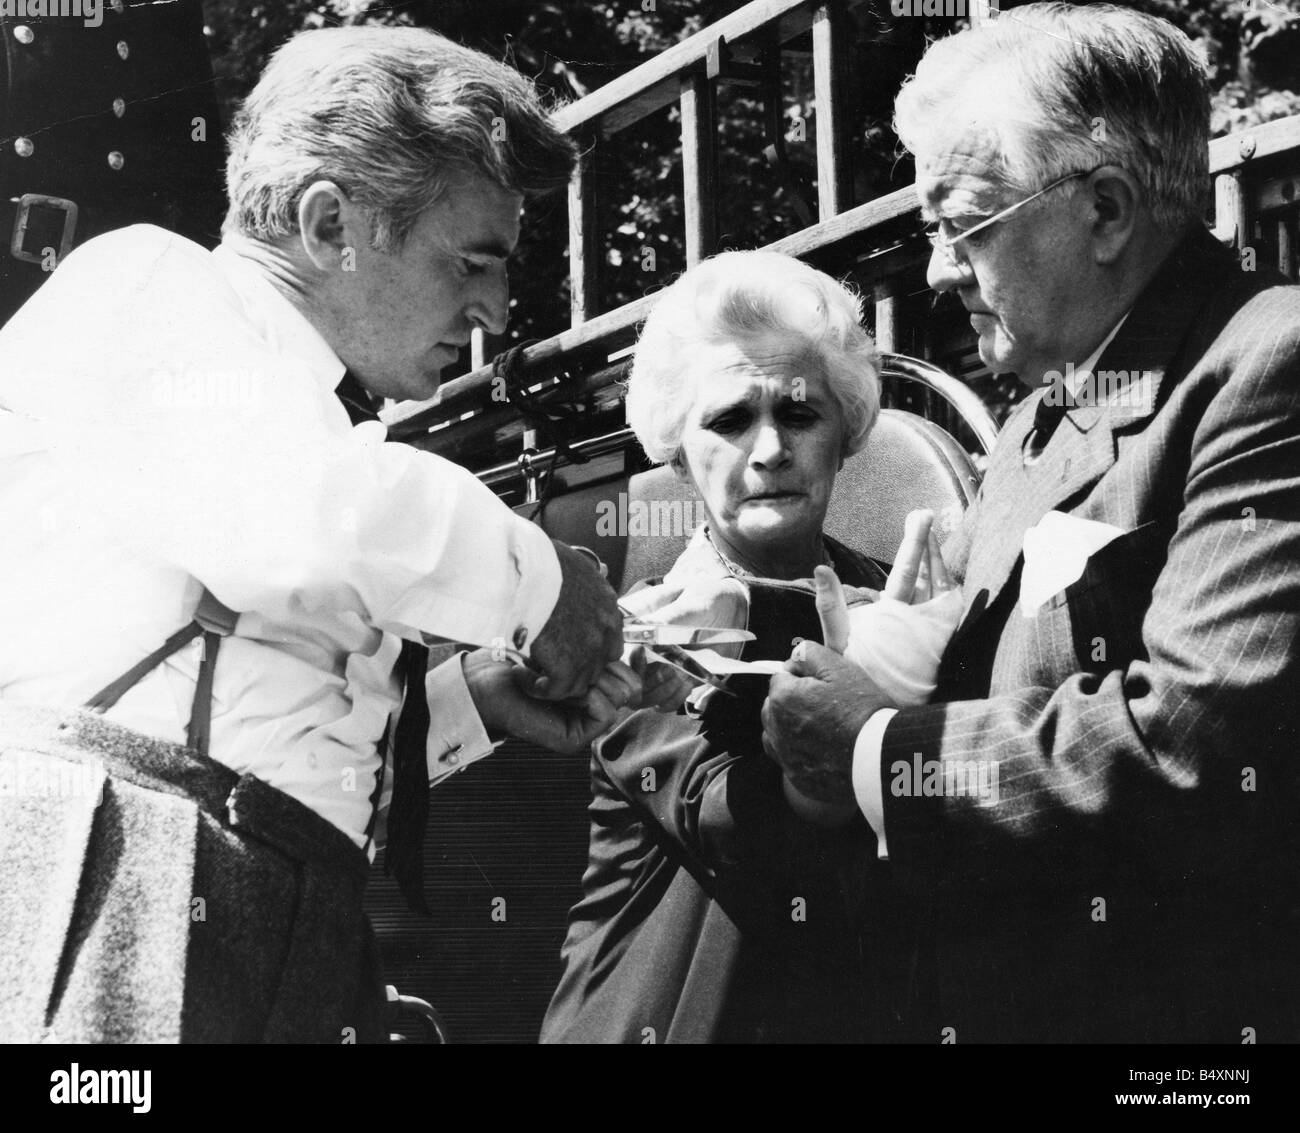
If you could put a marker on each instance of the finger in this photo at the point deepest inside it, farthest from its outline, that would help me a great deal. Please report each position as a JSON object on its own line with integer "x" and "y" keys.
{"x": 832, "y": 609}
{"x": 529, "y": 682}
{"x": 636, "y": 657}
{"x": 659, "y": 676}
{"x": 620, "y": 684}
{"x": 922, "y": 590}
{"x": 811, "y": 660}
{"x": 940, "y": 579}
{"x": 665, "y": 693}
{"x": 579, "y": 679}
{"x": 599, "y": 708}
{"x": 902, "y": 579}
{"x": 767, "y": 715}
{"x": 613, "y": 642}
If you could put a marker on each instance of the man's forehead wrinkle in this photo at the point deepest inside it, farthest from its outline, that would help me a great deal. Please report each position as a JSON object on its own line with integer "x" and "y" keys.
{"x": 956, "y": 193}
{"x": 466, "y": 225}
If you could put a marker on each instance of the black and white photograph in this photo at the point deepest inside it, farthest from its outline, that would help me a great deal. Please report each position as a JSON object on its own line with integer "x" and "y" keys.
{"x": 651, "y": 522}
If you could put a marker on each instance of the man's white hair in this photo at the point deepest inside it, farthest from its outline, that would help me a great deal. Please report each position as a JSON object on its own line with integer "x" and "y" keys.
{"x": 390, "y": 115}
{"x": 1063, "y": 89}
{"x": 736, "y": 297}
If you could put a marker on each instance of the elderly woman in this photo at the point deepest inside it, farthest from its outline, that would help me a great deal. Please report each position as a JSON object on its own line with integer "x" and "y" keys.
{"x": 754, "y": 380}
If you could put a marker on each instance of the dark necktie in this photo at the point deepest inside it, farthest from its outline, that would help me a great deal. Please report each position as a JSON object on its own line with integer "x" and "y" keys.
{"x": 409, "y": 812}
{"x": 1046, "y": 419}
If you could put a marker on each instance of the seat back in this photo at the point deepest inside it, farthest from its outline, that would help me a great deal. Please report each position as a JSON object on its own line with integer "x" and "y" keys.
{"x": 639, "y": 525}
{"x": 514, "y": 828}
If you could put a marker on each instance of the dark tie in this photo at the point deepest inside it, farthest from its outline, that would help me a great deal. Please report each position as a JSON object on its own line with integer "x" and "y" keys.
{"x": 1046, "y": 419}
{"x": 409, "y": 811}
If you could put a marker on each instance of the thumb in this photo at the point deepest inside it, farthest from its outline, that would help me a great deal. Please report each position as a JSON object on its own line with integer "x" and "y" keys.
{"x": 812, "y": 660}
{"x": 528, "y": 682}
{"x": 832, "y": 609}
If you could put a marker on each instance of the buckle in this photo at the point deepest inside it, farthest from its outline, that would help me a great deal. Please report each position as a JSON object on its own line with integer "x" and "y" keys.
{"x": 29, "y": 201}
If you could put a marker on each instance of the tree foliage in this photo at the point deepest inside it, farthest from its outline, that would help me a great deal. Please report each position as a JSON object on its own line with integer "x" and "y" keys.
{"x": 572, "y": 47}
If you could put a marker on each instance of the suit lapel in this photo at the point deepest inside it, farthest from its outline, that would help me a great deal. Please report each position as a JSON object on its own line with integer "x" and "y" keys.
{"x": 1086, "y": 443}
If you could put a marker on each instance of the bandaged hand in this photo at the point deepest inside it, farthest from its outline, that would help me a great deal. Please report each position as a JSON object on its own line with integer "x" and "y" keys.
{"x": 898, "y": 640}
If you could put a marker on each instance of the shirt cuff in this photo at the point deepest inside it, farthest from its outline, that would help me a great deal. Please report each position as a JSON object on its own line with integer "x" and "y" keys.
{"x": 457, "y": 737}
{"x": 866, "y": 775}
{"x": 540, "y": 576}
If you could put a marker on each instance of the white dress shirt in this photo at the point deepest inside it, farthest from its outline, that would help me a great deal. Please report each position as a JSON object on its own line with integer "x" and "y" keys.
{"x": 168, "y": 423}
{"x": 867, "y": 786}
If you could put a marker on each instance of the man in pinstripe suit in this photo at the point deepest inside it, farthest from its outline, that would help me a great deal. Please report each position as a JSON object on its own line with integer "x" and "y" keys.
{"x": 1126, "y": 669}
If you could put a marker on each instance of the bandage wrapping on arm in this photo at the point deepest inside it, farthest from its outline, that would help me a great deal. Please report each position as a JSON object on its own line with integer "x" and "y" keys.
{"x": 901, "y": 645}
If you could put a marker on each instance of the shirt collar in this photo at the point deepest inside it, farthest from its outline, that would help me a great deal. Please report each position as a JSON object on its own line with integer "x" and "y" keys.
{"x": 287, "y": 329}
{"x": 1084, "y": 369}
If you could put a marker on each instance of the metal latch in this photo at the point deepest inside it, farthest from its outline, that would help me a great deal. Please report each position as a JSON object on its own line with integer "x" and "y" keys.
{"x": 29, "y": 201}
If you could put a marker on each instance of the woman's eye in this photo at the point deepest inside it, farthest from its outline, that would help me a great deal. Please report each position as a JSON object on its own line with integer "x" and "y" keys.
{"x": 729, "y": 423}
{"x": 799, "y": 416}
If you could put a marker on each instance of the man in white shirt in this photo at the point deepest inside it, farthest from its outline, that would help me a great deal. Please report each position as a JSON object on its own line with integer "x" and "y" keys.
{"x": 1095, "y": 816}
{"x": 173, "y": 452}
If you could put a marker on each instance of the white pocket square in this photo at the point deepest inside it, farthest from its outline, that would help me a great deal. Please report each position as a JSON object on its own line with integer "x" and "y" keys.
{"x": 1056, "y": 552}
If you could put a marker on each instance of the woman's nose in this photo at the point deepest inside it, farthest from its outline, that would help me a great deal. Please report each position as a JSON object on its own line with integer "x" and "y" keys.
{"x": 770, "y": 449}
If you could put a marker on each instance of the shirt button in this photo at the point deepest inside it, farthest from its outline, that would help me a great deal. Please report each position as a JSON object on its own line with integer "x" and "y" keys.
{"x": 452, "y": 756}
{"x": 521, "y": 636}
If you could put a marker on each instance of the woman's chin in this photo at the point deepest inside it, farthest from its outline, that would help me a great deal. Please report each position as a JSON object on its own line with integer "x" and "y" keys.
{"x": 769, "y": 526}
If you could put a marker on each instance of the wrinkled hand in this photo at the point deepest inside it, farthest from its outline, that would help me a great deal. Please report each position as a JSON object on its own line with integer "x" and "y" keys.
{"x": 811, "y": 719}
{"x": 582, "y": 636}
{"x": 817, "y": 706}
{"x": 500, "y": 694}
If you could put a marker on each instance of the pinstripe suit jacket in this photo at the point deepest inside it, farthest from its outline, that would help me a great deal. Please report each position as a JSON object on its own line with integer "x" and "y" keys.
{"x": 1136, "y": 879}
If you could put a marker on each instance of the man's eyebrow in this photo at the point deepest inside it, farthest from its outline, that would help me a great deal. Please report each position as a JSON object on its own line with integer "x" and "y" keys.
{"x": 947, "y": 211}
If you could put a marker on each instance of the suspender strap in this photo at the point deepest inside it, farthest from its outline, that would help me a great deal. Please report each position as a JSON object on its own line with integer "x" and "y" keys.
{"x": 112, "y": 692}
{"x": 213, "y": 621}
{"x": 199, "y": 732}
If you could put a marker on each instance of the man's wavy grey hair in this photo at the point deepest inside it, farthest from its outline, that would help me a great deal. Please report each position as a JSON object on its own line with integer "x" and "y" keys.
{"x": 1063, "y": 89}
{"x": 737, "y": 297}
{"x": 390, "y": 115}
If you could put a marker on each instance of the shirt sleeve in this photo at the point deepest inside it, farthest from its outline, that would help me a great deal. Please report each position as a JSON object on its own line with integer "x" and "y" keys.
{"x": 457, "y": 737}
{"x": 866, "y": 775}
{"x": 204, "y": 447}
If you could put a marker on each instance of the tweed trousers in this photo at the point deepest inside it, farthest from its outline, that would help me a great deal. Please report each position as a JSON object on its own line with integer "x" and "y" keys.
{"x": 149, "y": 894}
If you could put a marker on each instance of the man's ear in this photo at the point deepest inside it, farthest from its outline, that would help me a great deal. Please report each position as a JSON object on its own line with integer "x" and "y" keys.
{"x": 1116, "y": 199}
{"x": 329, "y": 227}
